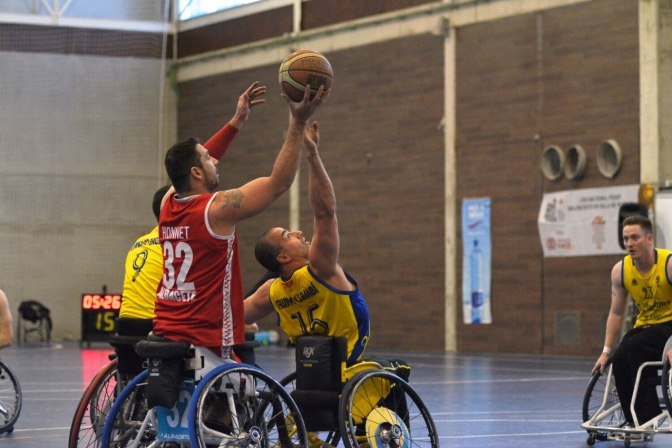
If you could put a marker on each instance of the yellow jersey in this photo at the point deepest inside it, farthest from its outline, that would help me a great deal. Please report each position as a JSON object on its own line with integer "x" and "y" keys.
{"x": 652, "y": 292}
{"x": 143, "y": 271}
{"x": 306, "y": 305}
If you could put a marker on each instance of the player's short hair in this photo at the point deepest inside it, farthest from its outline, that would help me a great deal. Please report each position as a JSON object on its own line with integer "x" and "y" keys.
{"x": 639, "y": 220}
{"x": 179, "y": 160}
{"x": 158, "y": 197}
{"x": 267, "y": 253}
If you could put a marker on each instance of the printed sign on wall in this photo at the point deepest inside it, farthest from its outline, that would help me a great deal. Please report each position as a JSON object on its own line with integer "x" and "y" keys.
{"x": 476, "y": 261}
{"x": 583, "y": 222}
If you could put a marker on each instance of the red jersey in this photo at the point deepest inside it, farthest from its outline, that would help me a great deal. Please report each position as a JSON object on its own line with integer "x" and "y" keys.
{"x": 200, "y": 298}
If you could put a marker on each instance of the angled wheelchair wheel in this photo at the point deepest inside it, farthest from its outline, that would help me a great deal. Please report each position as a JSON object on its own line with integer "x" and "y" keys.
{"x": 10, "y": 399}
{"x": 240, "y": 405}
{"x": 666, "y": 383}
{"x": 89, "y": 419}
{"x": 601, "y": 406}
{"x": 129, "y": 422}
{"x": 378, "y": 409}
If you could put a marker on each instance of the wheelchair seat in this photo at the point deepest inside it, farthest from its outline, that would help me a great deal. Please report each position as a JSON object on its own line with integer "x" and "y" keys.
{"x": 34, "y": 318}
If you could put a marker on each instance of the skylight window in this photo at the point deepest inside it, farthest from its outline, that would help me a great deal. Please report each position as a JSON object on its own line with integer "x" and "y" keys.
{"x": 196, "y": 8}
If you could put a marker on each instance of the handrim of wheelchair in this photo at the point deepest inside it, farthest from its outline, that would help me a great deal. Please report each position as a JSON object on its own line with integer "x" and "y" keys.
{"x": 603, "y": 416}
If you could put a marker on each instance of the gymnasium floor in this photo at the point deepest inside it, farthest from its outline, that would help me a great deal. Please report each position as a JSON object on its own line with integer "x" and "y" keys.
{"x": 475, "y": 400}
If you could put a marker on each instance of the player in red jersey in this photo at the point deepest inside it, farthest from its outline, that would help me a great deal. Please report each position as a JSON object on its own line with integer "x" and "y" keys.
{"x": 200, "y": 299}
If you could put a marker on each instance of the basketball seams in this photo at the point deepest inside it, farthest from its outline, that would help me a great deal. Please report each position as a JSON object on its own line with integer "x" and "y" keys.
{"x": 301, "y": 68}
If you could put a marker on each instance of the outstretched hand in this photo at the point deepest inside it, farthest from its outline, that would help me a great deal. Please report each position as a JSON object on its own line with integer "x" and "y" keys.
{"x": 246, "y": 101}
{"x": 303, "y": 110}
{"x": 311, "y": 137}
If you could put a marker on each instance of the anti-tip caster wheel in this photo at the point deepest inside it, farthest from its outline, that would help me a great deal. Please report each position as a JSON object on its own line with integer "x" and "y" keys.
{"x": 591, "y": 439}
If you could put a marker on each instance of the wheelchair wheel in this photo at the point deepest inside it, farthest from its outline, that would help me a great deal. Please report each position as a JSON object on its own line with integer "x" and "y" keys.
{"x": 666, "y": 383}
{"x": 89, "y": 419}
{"x": 602, "y": 388}
{"x": 129, "y": 422}
{"x": 243, "y": 406}
{"x": 10, "y": 399}
{"x": 378, "y": 409}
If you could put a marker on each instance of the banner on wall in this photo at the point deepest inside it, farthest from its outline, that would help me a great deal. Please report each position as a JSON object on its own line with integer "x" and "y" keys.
{"x": 583, "y": 222}
{"x": 476, "y": 261}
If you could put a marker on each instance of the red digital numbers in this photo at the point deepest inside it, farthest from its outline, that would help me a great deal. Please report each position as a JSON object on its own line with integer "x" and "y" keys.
{"x": 98, "y": 302}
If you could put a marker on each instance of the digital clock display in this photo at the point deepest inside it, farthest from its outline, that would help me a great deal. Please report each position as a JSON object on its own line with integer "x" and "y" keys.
{"x": 101, "y": 302}
{"x": 99, "y": 312}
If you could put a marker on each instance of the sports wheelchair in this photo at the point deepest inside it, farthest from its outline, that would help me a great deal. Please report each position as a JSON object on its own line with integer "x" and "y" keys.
{"x": 362, "y": 405}
{"x": 602, "y": 414}
{"x": 96, "y": 401}
{"x": 10, "y": 399}
{"x": 89, "y": 419}
{"x": 208, "y": 404}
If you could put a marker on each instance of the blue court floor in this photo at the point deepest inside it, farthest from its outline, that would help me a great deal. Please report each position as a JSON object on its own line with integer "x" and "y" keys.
{"x": 475, "y": 400}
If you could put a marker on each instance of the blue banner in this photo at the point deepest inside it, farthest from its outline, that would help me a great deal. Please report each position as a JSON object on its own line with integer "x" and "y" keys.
{"x": 476, "y": 261}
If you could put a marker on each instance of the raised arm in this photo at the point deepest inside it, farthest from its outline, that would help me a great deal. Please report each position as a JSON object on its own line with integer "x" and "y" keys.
{"x": 256, "y": 196}
{"x": 615, "y": 319}
{"x": 325, "y": 245}
{"x": 220, "y": 142}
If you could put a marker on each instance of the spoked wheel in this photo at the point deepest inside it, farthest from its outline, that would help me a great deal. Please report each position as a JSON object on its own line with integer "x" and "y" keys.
{"x": 129, "y": 422}
{"x": 10, "y": 399}
{"x": 316, "y": 439}
{"x": 378, "y": 409}
{"x": 89, "y": 419}
{"x": 600, "y": 388}
{"x": 666, "y": 383}
{"x": 243, "y": 406}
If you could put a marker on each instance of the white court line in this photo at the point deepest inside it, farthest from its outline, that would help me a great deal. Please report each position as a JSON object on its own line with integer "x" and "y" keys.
{"x": 523, "y": 434}
{"x": 517, "y": 420}
{"x": 510, "y": 380}
{"x": 58, "y": 428}
{"x": 50, "y": 391}
{"x": 504, "y": 412}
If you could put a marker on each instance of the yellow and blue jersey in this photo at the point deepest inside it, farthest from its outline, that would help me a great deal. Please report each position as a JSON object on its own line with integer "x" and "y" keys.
{"x": 306, "y": 305}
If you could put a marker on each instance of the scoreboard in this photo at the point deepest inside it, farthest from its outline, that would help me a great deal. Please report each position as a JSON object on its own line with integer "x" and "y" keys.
{"x": 98, "y": 314}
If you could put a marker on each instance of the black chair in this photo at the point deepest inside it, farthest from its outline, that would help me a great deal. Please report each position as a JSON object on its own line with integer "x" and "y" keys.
{"x": 34, "y": 318}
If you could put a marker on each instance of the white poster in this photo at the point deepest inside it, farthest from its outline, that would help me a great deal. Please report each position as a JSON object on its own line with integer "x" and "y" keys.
{"x": 583, "y": 222}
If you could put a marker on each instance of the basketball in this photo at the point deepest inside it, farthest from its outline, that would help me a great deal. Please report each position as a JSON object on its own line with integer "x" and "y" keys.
{"x": 301, "y": 68}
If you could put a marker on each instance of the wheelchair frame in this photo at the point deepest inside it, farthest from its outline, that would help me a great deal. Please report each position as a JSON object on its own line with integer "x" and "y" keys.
{"x": 11, "y": 398}
{"x": 603, "y": 416}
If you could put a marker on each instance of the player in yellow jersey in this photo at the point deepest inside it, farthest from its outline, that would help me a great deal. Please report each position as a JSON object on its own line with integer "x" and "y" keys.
{"x": 313, "y": 294}
{"x": 645, "y": 273}
{"x": 143, "y": 270}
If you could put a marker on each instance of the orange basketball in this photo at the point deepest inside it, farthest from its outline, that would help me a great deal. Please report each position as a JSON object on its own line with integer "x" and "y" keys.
{"x": 301, "y": 68}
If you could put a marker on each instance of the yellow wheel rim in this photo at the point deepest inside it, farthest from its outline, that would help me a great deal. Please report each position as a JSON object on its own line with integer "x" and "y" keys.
{"x": 384, "y": 429}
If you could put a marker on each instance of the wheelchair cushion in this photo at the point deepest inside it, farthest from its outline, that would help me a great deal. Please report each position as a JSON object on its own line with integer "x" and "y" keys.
{"x": 162, "y": 349}
{"x": 318, "y": 362}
